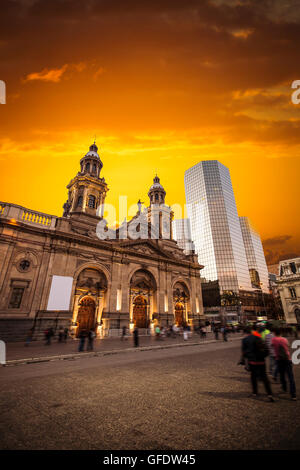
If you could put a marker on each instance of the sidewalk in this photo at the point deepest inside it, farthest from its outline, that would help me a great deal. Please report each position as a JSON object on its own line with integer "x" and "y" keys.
{"x": 37, "y": 351}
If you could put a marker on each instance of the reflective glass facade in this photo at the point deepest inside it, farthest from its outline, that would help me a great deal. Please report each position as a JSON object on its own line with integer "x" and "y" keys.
{"x": 182, "y": 234}
{"x": 215, "y": 225}
{"x": 255, "y": 255}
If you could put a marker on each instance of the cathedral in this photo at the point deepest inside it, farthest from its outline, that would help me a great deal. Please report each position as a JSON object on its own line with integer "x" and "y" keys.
{"x": 76, "y": 272}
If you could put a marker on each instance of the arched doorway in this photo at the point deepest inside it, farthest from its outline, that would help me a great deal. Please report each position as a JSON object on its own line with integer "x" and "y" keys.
{"x": 179, "y": 318}
{"x": 142, "y": 298}
{"x": 140, "y": 312}
{"x": 86, "y": 314}
{"x": 181, "y": 297}
{"x": 90, "y": 296}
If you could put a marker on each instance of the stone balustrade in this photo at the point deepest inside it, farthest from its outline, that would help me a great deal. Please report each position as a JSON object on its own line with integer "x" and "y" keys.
{"x": 16, "y": 214}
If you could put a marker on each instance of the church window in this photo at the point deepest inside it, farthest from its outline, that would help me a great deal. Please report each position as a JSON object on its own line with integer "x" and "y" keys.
{"x": 87, "y": 168}
{"x": 79, "y": 202}
{"x": 92, "y": 202}
{"x": 24, "y": 265}
{"x": 156, "y": 197}
{"x": 293, "y": 268}
{"x": 293, "y": 292}
{"x": 16, "y": 297}
{"x": 94, "y": 168}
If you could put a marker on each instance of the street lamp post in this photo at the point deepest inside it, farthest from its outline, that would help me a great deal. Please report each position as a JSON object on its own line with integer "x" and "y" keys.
{"x": 239, "y": 311}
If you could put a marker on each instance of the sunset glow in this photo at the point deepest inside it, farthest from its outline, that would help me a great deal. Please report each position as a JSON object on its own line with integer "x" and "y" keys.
{"x": 162, "y": 85}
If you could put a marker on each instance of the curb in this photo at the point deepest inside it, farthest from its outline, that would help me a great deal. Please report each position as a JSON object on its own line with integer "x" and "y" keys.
{"x": 74, "y": 356}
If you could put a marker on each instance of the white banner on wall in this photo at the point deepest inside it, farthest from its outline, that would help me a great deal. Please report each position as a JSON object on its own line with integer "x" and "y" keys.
{"x": 60, "y": 293}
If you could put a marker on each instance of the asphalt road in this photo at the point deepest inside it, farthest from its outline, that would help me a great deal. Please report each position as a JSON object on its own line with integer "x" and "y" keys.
{"x": 181, "y": 398}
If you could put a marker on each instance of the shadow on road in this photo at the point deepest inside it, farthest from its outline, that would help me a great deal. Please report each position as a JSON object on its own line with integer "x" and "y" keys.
{"x": 226, "y": 395}
{"x": 244, "y": 379}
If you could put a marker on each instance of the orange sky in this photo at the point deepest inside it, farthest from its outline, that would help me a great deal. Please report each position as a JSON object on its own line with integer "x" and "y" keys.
{"x": 163, "y": 85}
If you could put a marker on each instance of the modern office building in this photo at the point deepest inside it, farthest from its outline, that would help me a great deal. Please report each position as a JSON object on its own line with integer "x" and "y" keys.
{"x": 215, "y": 226}
{"x": 255, "y": 256}
{"x": 182, "y": 234}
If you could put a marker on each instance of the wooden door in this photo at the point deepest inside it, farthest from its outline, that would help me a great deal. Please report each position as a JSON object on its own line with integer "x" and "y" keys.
{"x": 86, "y": 315}
{"x": 179, "y": 318}
{"x": 140, "y": 312}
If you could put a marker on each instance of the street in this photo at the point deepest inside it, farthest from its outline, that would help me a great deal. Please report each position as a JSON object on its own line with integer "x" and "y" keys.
{"x": 193, "y": 397}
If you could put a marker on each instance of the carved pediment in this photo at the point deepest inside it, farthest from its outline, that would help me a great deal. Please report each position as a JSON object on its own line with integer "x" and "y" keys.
{"x": 145, "y": 248}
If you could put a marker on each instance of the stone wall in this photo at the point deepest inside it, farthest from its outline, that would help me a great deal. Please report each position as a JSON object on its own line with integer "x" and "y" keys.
{"x": 16, "y": 329}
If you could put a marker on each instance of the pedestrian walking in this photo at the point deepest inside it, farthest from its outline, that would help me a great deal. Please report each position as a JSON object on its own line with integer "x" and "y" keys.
{"x": 254, "y": 350}
{"x": 66, "y": 331}
{"x": 91, "y": 336}
{"x": 29, "y": 337}
{"x": 136, "y": 337}
{"x": 185, "y": 333}
{"x": 264, "y": 331}
{"x": 157, "y": 332}
{"x": 216, "y": 331}
{"x": 244, "y": 361}
{"x": 273, "y": 368}
{"x": 124, "y": 331}
{"x": 60, "y": 334}
{"x": 82, "y": 337}
{"x": 224, "y": 333}
{"x": 48, "y": 335}
{"x": 284, "y": 363}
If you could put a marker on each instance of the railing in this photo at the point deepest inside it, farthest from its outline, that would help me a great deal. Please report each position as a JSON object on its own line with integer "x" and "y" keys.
{"x": 20, "y": 214}
{"x": 2, "y": 206}
{"x": 36, "y": 218}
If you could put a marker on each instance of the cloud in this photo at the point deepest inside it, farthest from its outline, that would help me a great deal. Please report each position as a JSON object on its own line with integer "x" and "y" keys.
{"x": 277, "y": 240}
{"x": 98, "y": 72}
{"x": 47, "y": 75}
{"x": 278, "y": 248}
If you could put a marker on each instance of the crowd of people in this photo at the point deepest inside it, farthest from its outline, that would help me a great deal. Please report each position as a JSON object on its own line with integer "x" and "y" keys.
{"x": 266, "y": 348}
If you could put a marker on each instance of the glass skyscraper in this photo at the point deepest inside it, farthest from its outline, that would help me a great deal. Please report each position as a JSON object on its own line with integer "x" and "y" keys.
{"x": 255, "y": 256}
{"x": 215, "y": 226}
{"x": 182, "y": 234}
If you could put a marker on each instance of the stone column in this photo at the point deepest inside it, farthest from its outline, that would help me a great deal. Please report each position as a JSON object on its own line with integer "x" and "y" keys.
{"x": 171, "y": 315}
{"x": 161, "y": 290}
{"x": 125, "y": 286}
{"x": 76, "y": 307}
{"x": 193, "y": 294}
{"x": 84, "y": 201}
{"x": 131, "y": 309}
{"x": 100, "y": 307}
{"x": 47, "y": 282}
{"x": 99, "y": 314}
{"x": 74, "y": 197}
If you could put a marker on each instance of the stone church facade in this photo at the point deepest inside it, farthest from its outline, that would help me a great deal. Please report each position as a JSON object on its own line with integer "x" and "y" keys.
{"x": 133, "y": 276}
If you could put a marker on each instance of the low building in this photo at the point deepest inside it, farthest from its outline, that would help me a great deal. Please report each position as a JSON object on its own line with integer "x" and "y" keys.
{"x": 228, "y": 306}
{"x": 288, "y": 283}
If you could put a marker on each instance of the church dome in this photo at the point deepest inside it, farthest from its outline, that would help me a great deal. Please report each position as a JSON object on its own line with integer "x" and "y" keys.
{"x": 93, "y": 151}
{"x": 91, "y": 162}
{"x": 156, "y": 192}
{"x": 156, "y": 184}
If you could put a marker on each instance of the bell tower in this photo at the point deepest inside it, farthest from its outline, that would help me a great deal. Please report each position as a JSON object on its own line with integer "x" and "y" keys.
{"x": 87, "y": 191}
{"x": 156, "y": 192}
